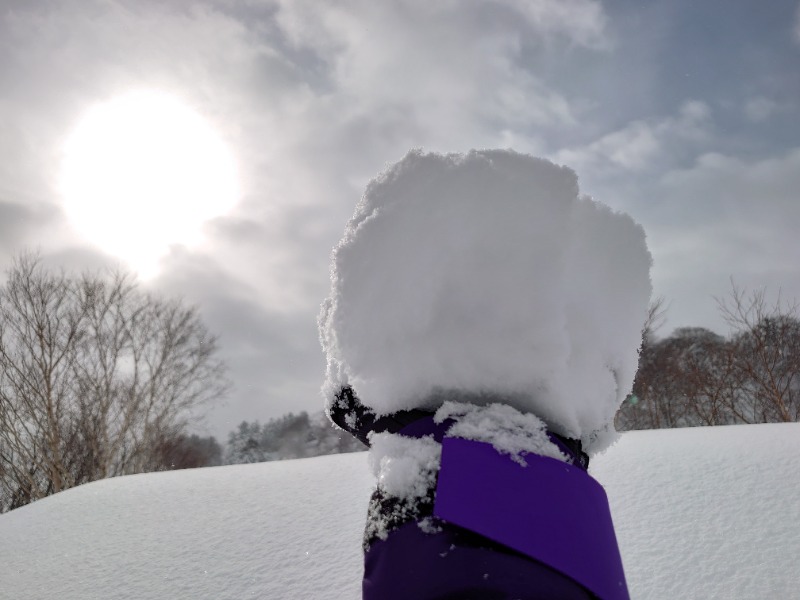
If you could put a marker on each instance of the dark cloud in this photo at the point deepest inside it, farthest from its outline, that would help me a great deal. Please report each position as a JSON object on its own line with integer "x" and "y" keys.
{"x": 20, "y": 224}
{"x": 274, "y": 356}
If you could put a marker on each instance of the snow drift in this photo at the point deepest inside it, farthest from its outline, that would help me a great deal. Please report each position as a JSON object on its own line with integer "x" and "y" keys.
{"x": 699, "y": 513}
{"x": 487, "y": 277}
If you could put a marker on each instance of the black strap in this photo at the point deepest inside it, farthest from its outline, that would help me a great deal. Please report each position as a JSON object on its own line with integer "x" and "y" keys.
{"x": 350, "y": 414}
{"x": 358, "y": 420}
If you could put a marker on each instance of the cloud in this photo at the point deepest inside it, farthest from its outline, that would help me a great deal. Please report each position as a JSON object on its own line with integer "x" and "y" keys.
{"x": 336, "y": 27}
{"x": 274, "y": 357}
{"x": 640, "y": 144}
{"x": 59, "y": 59}
{"x": 724, "y": 217}
{"x": 760, "y": 108}
{"x": 442, "y": 67}
{"x": 709, "y": 214}
{"x": 583, "y": 22}
{"x": 760, "y": 196}
{"x": 18, "y": 222}
{"x": 314, "y": 99}
{"x": 301, "y": 91}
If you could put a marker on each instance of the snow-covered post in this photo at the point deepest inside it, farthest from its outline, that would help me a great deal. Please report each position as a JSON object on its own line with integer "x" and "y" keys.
{"x": 481, "y": 332}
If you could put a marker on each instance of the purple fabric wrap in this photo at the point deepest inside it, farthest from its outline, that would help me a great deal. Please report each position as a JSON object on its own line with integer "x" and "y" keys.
{"x": 427, "y": 426}
{"x": 549, "y": 510}
{"x": 456, "y": 565}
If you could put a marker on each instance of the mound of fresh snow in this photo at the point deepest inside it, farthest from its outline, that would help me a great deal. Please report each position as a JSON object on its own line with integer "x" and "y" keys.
{"x": 699, "y": 513}
{"x": 486, "y": 277}
{"x": 289, "y": 529}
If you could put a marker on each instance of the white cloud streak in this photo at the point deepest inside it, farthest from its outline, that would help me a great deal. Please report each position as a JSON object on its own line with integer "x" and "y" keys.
{"x": 640, "y": 144}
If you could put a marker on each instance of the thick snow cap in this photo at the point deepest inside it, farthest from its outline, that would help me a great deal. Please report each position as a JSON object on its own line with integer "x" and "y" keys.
{"x": 486, "y": 277}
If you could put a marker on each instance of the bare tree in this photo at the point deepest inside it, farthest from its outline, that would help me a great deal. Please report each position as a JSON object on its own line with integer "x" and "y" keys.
{"x": 656, "y": 316}
{"x": 94, "y": 377}
{"x": 696, "y": 377}
{"x": 678, "y": 382}
{"x": 190, "y": 452}
{"x": 766, "y": 348}
{"x": 635, "y": 412}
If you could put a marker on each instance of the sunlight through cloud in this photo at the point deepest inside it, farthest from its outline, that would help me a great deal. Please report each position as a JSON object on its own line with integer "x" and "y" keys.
{"x": 142, "y": 172}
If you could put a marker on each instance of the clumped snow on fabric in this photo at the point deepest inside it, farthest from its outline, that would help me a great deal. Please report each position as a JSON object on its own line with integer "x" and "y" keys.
{"x": 487, "y": 274}
{"x": 404, "y": 467}
{"x": 508, "y": 430}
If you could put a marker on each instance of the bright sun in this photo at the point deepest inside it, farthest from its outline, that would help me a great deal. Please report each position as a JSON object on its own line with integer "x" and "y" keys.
{"x": 143, "y": 172}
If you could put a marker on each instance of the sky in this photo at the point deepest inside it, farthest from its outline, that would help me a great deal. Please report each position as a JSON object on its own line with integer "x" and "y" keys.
{"x": 682, "y": 114}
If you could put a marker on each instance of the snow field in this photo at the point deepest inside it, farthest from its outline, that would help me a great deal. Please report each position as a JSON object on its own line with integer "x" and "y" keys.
{"x": 707, "y": 512}
{"x": 289, "y": 529}
{"x": 699, "y": 513}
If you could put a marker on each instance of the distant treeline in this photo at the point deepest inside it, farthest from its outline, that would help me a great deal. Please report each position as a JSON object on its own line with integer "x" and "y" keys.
{"x": 289, "y": 436}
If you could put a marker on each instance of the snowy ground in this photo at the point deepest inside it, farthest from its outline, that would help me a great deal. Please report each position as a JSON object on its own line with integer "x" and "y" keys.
{"x": 700, "y": 513}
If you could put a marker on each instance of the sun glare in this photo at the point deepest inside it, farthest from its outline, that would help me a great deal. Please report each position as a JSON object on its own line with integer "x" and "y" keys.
{"x": 143, "y": 172}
